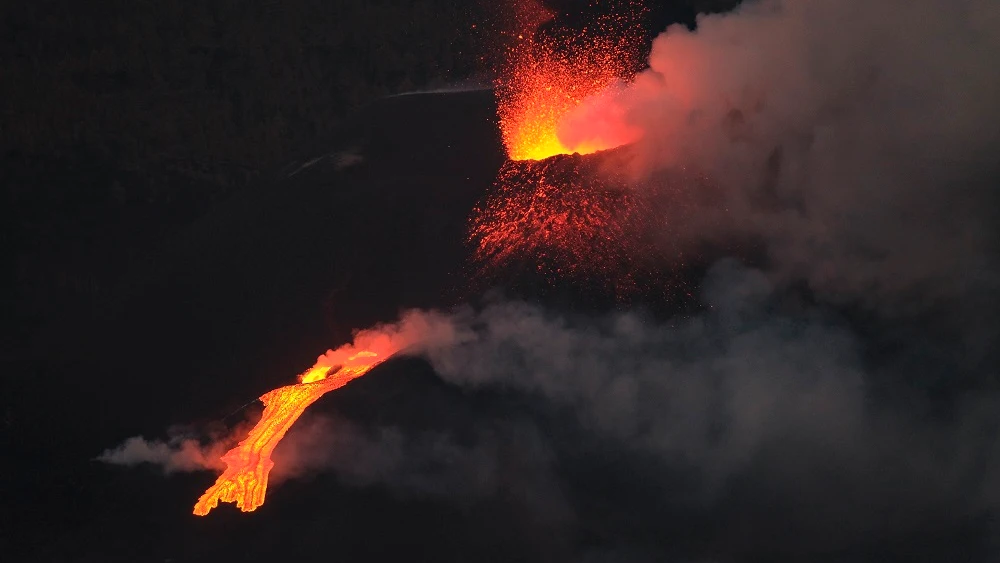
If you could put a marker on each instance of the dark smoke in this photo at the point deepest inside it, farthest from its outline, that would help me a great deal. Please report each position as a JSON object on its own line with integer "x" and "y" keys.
{"x": 508, "y": 457}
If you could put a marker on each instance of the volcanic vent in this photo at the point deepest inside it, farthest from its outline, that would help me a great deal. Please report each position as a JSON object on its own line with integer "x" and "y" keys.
{"x": 554, "y": 214}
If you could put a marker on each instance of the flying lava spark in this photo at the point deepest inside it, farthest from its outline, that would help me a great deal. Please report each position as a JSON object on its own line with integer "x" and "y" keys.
{"x": 248, "y": 465}
{"x": 546, "y": 75}
{"x": 566, "y": 218}
{"x": 549, "y": 205}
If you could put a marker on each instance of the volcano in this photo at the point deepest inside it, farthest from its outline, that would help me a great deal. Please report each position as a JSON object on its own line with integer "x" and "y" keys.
{"x": 370, "y": 223}
{"x": 232, "y": 306}
{"x": 373, "y": 223}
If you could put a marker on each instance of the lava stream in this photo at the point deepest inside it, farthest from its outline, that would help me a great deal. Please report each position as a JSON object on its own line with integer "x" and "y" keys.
{"x": 244, "y": 481}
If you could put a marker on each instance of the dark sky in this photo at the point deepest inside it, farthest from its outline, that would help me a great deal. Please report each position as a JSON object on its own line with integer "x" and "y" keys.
{"x": 202, "y": 198}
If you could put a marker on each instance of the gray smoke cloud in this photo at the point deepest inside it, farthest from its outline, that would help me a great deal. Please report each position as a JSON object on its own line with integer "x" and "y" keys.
{"x": 857, "y": 139}
{"x": 508, "y": 457}
{"x": 714, "y": 390}
{"x": 178, "y": 453}
{"x": 761, "y": 395}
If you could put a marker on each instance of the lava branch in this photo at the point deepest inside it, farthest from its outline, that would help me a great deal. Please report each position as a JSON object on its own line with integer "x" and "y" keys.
{"x": 244, "y": 481}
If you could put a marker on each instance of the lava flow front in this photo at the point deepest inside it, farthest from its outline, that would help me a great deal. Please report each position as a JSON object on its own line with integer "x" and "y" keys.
{"x": 248, "y": 464}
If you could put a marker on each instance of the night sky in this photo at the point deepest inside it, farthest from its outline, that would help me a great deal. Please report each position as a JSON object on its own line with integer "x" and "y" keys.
{"x": 200, "y": 199}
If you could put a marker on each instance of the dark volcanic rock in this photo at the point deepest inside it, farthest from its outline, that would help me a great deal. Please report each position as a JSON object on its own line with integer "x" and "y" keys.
{"x": 236, "y": 304}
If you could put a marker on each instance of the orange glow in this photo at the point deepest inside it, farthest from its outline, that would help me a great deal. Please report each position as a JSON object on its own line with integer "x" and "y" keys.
{"x": 248, "y": 465}
{"x": 545, "y": 77}
{"x": 559, "y": 212}
{"x": 568, "y": 219}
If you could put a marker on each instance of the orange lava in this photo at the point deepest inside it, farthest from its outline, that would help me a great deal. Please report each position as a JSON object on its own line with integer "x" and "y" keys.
{"x": 564, "y": 215}
{"x": 546, "y": 76}
{"x": 244, "y": 481}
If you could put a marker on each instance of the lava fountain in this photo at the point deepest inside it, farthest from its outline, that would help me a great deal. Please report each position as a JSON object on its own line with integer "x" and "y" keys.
{"x": 545, "y": 75}
{"x": 573, "y": 217}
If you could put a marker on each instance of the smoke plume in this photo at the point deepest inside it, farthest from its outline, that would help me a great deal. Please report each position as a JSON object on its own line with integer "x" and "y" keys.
{"x": 843, "y": 389}
{"x": 762, "y": 394}
{"x": 857, "y": 139}
{"x": 178, "y": 453}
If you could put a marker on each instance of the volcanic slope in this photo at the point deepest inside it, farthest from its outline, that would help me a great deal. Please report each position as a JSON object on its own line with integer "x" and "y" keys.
{"x": 236, "y": 304}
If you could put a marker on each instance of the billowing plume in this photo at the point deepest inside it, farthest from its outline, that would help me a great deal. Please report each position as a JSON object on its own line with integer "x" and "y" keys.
{"x": 762, "y": 392}
{"x": 857, "y": 139}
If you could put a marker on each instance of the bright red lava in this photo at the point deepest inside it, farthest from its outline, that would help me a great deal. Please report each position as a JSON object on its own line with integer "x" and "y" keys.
{"x": 562, "y": 213}
{"x": 545, "y": 76}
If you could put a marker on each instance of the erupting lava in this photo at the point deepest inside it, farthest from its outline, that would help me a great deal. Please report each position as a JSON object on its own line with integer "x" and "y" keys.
{"x": 545, "y": 76}
{"x": 559, "y": 211}
{"x": 248, "y": 464}
{"x": 567, "y": 214}
{"x": 569, "y": 219}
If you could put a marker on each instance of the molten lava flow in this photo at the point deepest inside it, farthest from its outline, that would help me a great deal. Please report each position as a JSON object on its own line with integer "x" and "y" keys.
{"x": 248, "y": 464}
{"x": 546, "y": 76}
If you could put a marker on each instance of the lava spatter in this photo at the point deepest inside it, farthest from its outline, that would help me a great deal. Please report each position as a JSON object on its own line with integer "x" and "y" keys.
{"x": 569, "y": 220}
{"x": 546, "y": 75}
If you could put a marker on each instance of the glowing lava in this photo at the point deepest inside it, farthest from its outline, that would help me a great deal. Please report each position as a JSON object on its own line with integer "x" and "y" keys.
{"x": 244, "y": 481}
{"x": 545, "y": 76}
{"x": 567, "y": 215}
{"x": 566, "y": 218}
